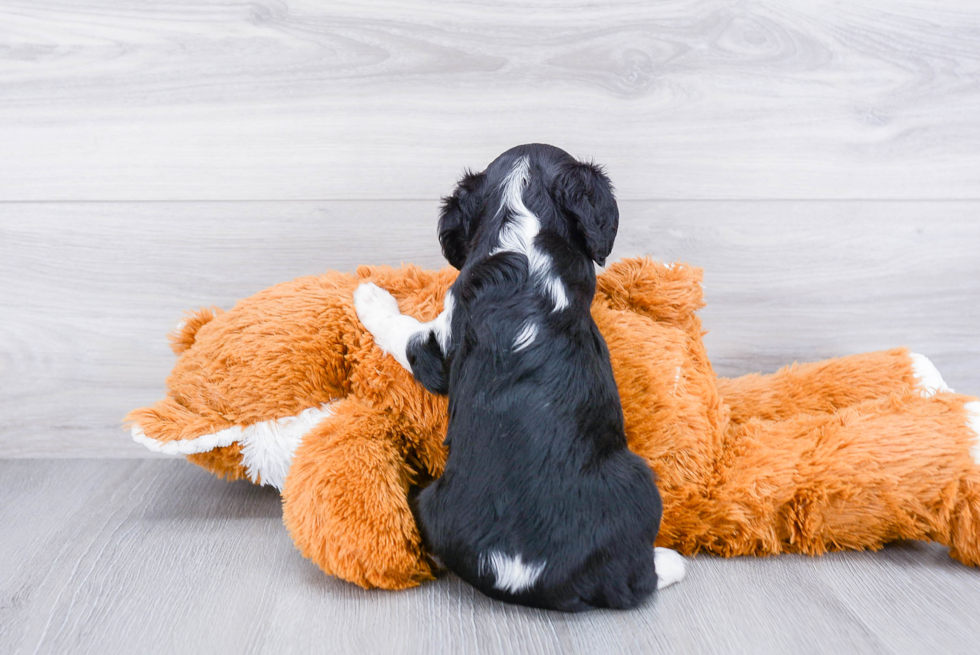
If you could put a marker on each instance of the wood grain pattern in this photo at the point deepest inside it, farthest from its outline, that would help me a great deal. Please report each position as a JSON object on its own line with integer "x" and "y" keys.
{"x": 126, "y": 100}
{"x": 159, "y": 557}
{"x": 88, "y": 291}
{"x": 325, "y": 131}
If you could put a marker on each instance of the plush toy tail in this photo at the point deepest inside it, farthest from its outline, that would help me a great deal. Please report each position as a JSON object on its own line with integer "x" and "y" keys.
{"x": 184, "y": 336}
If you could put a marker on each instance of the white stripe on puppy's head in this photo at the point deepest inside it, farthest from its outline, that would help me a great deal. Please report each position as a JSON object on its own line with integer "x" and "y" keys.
{"x": 521, "y": 228}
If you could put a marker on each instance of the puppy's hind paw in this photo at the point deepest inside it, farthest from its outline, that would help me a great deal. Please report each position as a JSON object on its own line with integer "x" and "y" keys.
{"x": 670, "y": 566}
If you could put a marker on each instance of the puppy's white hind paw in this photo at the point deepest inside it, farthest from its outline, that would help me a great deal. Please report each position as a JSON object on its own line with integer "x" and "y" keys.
{"x": 670, "y": 565}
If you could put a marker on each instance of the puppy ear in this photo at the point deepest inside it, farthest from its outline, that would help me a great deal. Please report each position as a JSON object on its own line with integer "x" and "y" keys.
{"x": 585, "y": 195}
{"x": 459, "y": 216}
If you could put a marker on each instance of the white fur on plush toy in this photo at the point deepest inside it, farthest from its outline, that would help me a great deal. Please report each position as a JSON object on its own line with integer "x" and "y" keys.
{"x": 928, "y": 376}
{"x": 267, "y": 447}
{"x": 973, "y": 422}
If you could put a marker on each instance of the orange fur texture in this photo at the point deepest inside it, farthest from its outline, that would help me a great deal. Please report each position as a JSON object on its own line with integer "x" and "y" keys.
{"x": 839, "y": 454}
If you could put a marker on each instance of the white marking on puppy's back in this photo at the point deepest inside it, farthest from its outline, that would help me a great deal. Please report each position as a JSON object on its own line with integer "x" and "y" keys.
{"x": 526, "y": 336}
{"x": 670, "y": 566}
{"x": 510, "y": 574}
{"x": 519, "y": 232}
{"x": 973, "y": 422}
{"x": 927, "y": 376}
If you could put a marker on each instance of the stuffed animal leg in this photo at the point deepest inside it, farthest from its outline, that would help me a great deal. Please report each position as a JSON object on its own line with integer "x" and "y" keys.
{"x": 882, "y": 450}
{"x": 901, "y": 467}
{"x": 345, "y": 502}
{"x": 829, "y": 385}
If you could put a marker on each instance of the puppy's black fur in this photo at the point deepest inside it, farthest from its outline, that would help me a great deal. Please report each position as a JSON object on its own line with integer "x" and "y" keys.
{"x": 538, "y": 464}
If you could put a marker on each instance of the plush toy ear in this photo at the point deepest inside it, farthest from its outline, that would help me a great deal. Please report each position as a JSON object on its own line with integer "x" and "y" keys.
{"x": 585, "y": 195}
{"x": 459, "y": 217}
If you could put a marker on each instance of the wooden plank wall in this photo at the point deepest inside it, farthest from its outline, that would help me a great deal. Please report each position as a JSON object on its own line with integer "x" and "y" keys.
{"x": 820, "y": 160}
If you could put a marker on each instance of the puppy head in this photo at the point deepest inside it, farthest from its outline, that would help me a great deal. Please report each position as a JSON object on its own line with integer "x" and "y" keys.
{"x": 569, "y": 198}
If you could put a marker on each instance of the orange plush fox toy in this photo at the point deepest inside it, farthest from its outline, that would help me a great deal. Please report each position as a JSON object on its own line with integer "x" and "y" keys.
{"x": 288, "y": 389}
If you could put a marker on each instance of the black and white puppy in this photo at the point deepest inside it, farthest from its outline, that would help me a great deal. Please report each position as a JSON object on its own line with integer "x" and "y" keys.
{"x": 541, "y": 502}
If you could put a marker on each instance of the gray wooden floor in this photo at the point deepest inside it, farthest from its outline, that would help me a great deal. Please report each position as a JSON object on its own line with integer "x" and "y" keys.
{"x": 820, "y": 160}
{"x": 159, "y": 557}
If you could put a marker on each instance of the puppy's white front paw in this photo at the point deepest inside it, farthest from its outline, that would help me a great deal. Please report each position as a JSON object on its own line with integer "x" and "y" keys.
{"x": 379, "y": 314}
{"x": 670, "y": 565}
{"x": 374, "y": 306}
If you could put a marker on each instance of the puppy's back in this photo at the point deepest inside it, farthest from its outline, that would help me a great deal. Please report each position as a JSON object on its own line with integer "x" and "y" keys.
{"x": 541, "y": 502}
